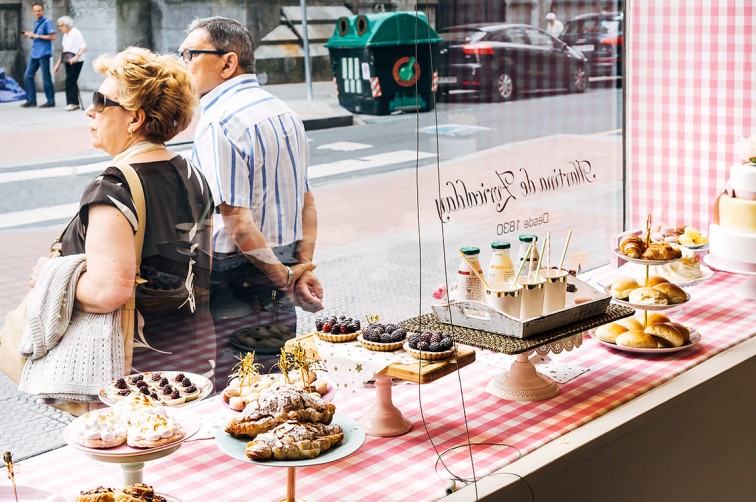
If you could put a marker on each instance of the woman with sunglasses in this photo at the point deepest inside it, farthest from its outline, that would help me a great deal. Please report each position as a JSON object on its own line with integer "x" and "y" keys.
{"x": 145, "y": 100}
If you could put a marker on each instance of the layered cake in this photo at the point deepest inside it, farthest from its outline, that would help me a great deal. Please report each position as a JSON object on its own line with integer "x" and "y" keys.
{"x": 732, "y": 235}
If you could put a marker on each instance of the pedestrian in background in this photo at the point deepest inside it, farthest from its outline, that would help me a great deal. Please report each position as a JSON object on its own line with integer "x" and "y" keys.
{"x": 554, "y": 26}
{"x": 42, "y": 36}
{"x": 254, "y": 153}
{"x": 72, "y": 57}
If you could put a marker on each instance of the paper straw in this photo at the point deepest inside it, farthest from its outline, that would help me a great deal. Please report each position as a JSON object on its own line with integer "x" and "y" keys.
{"x": 540, "y": 257}
{"x": 564, "y": 251}
{"x": 522, "y": 265}
{"x": 531, "y": 260}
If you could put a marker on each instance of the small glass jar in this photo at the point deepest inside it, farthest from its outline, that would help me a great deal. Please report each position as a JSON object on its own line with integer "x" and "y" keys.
{"x": 500, "y": 269}
{"x": 469, "y": 287}
{"x": 525, "y": 241}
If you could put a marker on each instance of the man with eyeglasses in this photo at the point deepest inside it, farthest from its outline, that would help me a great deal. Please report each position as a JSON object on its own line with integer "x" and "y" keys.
{"x": 42, "y": 36}
{"x": 253, "y": 150}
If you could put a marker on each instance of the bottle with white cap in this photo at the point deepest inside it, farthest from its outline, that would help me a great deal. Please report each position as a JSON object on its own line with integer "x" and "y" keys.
{"x": 469, "y": 287}
{"x": 500, "y": 269}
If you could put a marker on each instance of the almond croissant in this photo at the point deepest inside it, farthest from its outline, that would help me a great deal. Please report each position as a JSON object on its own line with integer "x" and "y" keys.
{"x": 275, "y": 407}
{"x": 294, "y": 441}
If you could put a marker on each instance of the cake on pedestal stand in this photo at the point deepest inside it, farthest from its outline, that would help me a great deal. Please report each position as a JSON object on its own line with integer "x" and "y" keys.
{"x": 747, "y": 290}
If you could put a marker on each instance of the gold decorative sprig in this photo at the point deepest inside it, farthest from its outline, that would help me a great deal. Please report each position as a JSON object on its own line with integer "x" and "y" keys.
{"x": 300, "y": 359}
{"x": 8, "y": 459}
{"x": 283, "y": 365}
{"x": 372, "y": 318}
{"x": 246, "y": 369}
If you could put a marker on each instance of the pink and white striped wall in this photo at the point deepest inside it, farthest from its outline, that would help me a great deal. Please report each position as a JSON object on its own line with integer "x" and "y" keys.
{"x": 690, "y": 97}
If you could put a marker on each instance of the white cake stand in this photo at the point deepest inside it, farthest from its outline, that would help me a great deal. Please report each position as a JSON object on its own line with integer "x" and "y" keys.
{"x": 131, "y": 459}
{"x": 747, "y": 290}
{"x": 522, "y": 382}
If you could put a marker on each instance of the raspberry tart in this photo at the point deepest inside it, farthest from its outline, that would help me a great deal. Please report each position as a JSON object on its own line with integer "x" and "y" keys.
{"x": 337, "y": 329}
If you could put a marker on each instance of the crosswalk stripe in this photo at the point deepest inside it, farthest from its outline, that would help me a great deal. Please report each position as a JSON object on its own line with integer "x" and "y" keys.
{"x": 38, "y": 215}
{"x": 369, "y": 162}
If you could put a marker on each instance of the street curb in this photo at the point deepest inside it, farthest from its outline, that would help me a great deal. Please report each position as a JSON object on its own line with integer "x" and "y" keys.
{"x": 328, "y": 122}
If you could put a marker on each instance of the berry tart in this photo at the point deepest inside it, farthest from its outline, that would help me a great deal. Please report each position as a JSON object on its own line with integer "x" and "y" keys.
{"x": 337, "y": 329}
{"x": 430, "y": 345}
{"x": 170, "y": 388}
{"x": 382, "y": 337}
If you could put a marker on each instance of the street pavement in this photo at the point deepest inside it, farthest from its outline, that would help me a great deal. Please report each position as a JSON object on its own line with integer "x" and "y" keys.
{"x": 46, "y": 137}
{"x": 370, "y": 243}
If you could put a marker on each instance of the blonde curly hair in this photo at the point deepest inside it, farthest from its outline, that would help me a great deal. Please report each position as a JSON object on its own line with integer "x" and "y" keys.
{"x": 158, "y": 84}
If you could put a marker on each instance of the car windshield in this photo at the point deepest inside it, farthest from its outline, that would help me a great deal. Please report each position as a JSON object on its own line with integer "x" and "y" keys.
{"x": 594, "y": 26}
{"x": 462, "y": 35}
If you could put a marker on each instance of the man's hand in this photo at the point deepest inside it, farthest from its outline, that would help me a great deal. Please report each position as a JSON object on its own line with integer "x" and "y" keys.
{"x": 309, "y": 292}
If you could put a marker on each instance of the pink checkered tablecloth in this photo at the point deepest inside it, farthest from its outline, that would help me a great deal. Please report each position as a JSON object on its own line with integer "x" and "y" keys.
{"x": 402, "y": 468}
{"x": 690, "y": 81}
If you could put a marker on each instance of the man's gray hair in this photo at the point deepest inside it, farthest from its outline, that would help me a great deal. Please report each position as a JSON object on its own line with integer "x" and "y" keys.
{"x": 66, "y": 20}
{"x": 231, "y": 36}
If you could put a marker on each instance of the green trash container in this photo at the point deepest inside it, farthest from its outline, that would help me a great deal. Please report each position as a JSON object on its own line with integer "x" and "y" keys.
{"x": 381, "y": 66}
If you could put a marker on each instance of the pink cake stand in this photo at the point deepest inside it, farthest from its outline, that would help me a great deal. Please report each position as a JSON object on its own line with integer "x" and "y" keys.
{"x": 522, "y": 382}
{"x": 383, "y": 419}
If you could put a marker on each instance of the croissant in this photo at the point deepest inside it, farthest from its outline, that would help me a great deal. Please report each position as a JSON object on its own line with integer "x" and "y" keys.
{"x": 294, "y": 441}
{"x": 661, "y": 251}
{"x": 632, "y": 246}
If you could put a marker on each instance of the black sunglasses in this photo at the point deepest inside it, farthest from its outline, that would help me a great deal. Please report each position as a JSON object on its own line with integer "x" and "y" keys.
{"x": 187, "y": 54}
{"x": 100, "y": 102}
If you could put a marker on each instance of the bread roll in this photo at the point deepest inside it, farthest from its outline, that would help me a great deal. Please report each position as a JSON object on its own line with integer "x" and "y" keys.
{"x": 648, "y": 296}
{"x": 654, "y": 318}
{"x": 674, "y": 293}
{"x": 685, "y": 332}
{"x": 667, "y": 335}
{"x": 654, "y": 280}
{"x": 637, "y": 339}
{"x": 609, "y": 332}
{"x": 631, "y": 324}
{"x": 623, "y": 286}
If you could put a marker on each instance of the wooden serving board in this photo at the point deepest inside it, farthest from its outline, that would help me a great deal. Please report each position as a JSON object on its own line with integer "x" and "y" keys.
{"x": 429, "y": 371}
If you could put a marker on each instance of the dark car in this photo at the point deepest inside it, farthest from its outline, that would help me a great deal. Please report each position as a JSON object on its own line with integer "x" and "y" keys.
{"x": 600, "y": 38}
{"x": 503, "y": 60}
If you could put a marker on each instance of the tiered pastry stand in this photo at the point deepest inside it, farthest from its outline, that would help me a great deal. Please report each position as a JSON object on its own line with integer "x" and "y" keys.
{"x": 354, "y": 437}
{"x": 383, "y": 418}
{"x": 747, "y": 290}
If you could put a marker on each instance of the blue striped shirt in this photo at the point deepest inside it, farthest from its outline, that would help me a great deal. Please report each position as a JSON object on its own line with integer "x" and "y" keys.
{"x": 253, "y": 150}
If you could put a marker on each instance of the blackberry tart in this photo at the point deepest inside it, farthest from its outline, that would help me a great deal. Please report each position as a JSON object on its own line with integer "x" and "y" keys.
{"x": 382, "y": 337}
{"x": 430, "y": 345}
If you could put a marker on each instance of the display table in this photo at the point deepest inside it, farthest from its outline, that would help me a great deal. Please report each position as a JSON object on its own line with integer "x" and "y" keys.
{"x": 457, "y": 408}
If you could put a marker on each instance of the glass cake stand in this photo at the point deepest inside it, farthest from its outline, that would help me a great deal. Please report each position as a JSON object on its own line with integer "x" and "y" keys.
{"x": 354, "y": 437}
{"x": 747, "y": 290}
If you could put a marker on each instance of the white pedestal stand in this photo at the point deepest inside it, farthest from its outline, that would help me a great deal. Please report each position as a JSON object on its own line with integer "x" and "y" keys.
{"x": 747, "y": 290}
{"x": 522, "y": 382}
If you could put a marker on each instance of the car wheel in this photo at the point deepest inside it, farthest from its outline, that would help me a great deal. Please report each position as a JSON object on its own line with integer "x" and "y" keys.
{"x": 578, "y": 79}
{"x": 503, "y": 87}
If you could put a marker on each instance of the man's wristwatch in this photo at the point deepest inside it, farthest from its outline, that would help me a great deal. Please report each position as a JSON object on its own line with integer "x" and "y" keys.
{"x": 289, "y": 278}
